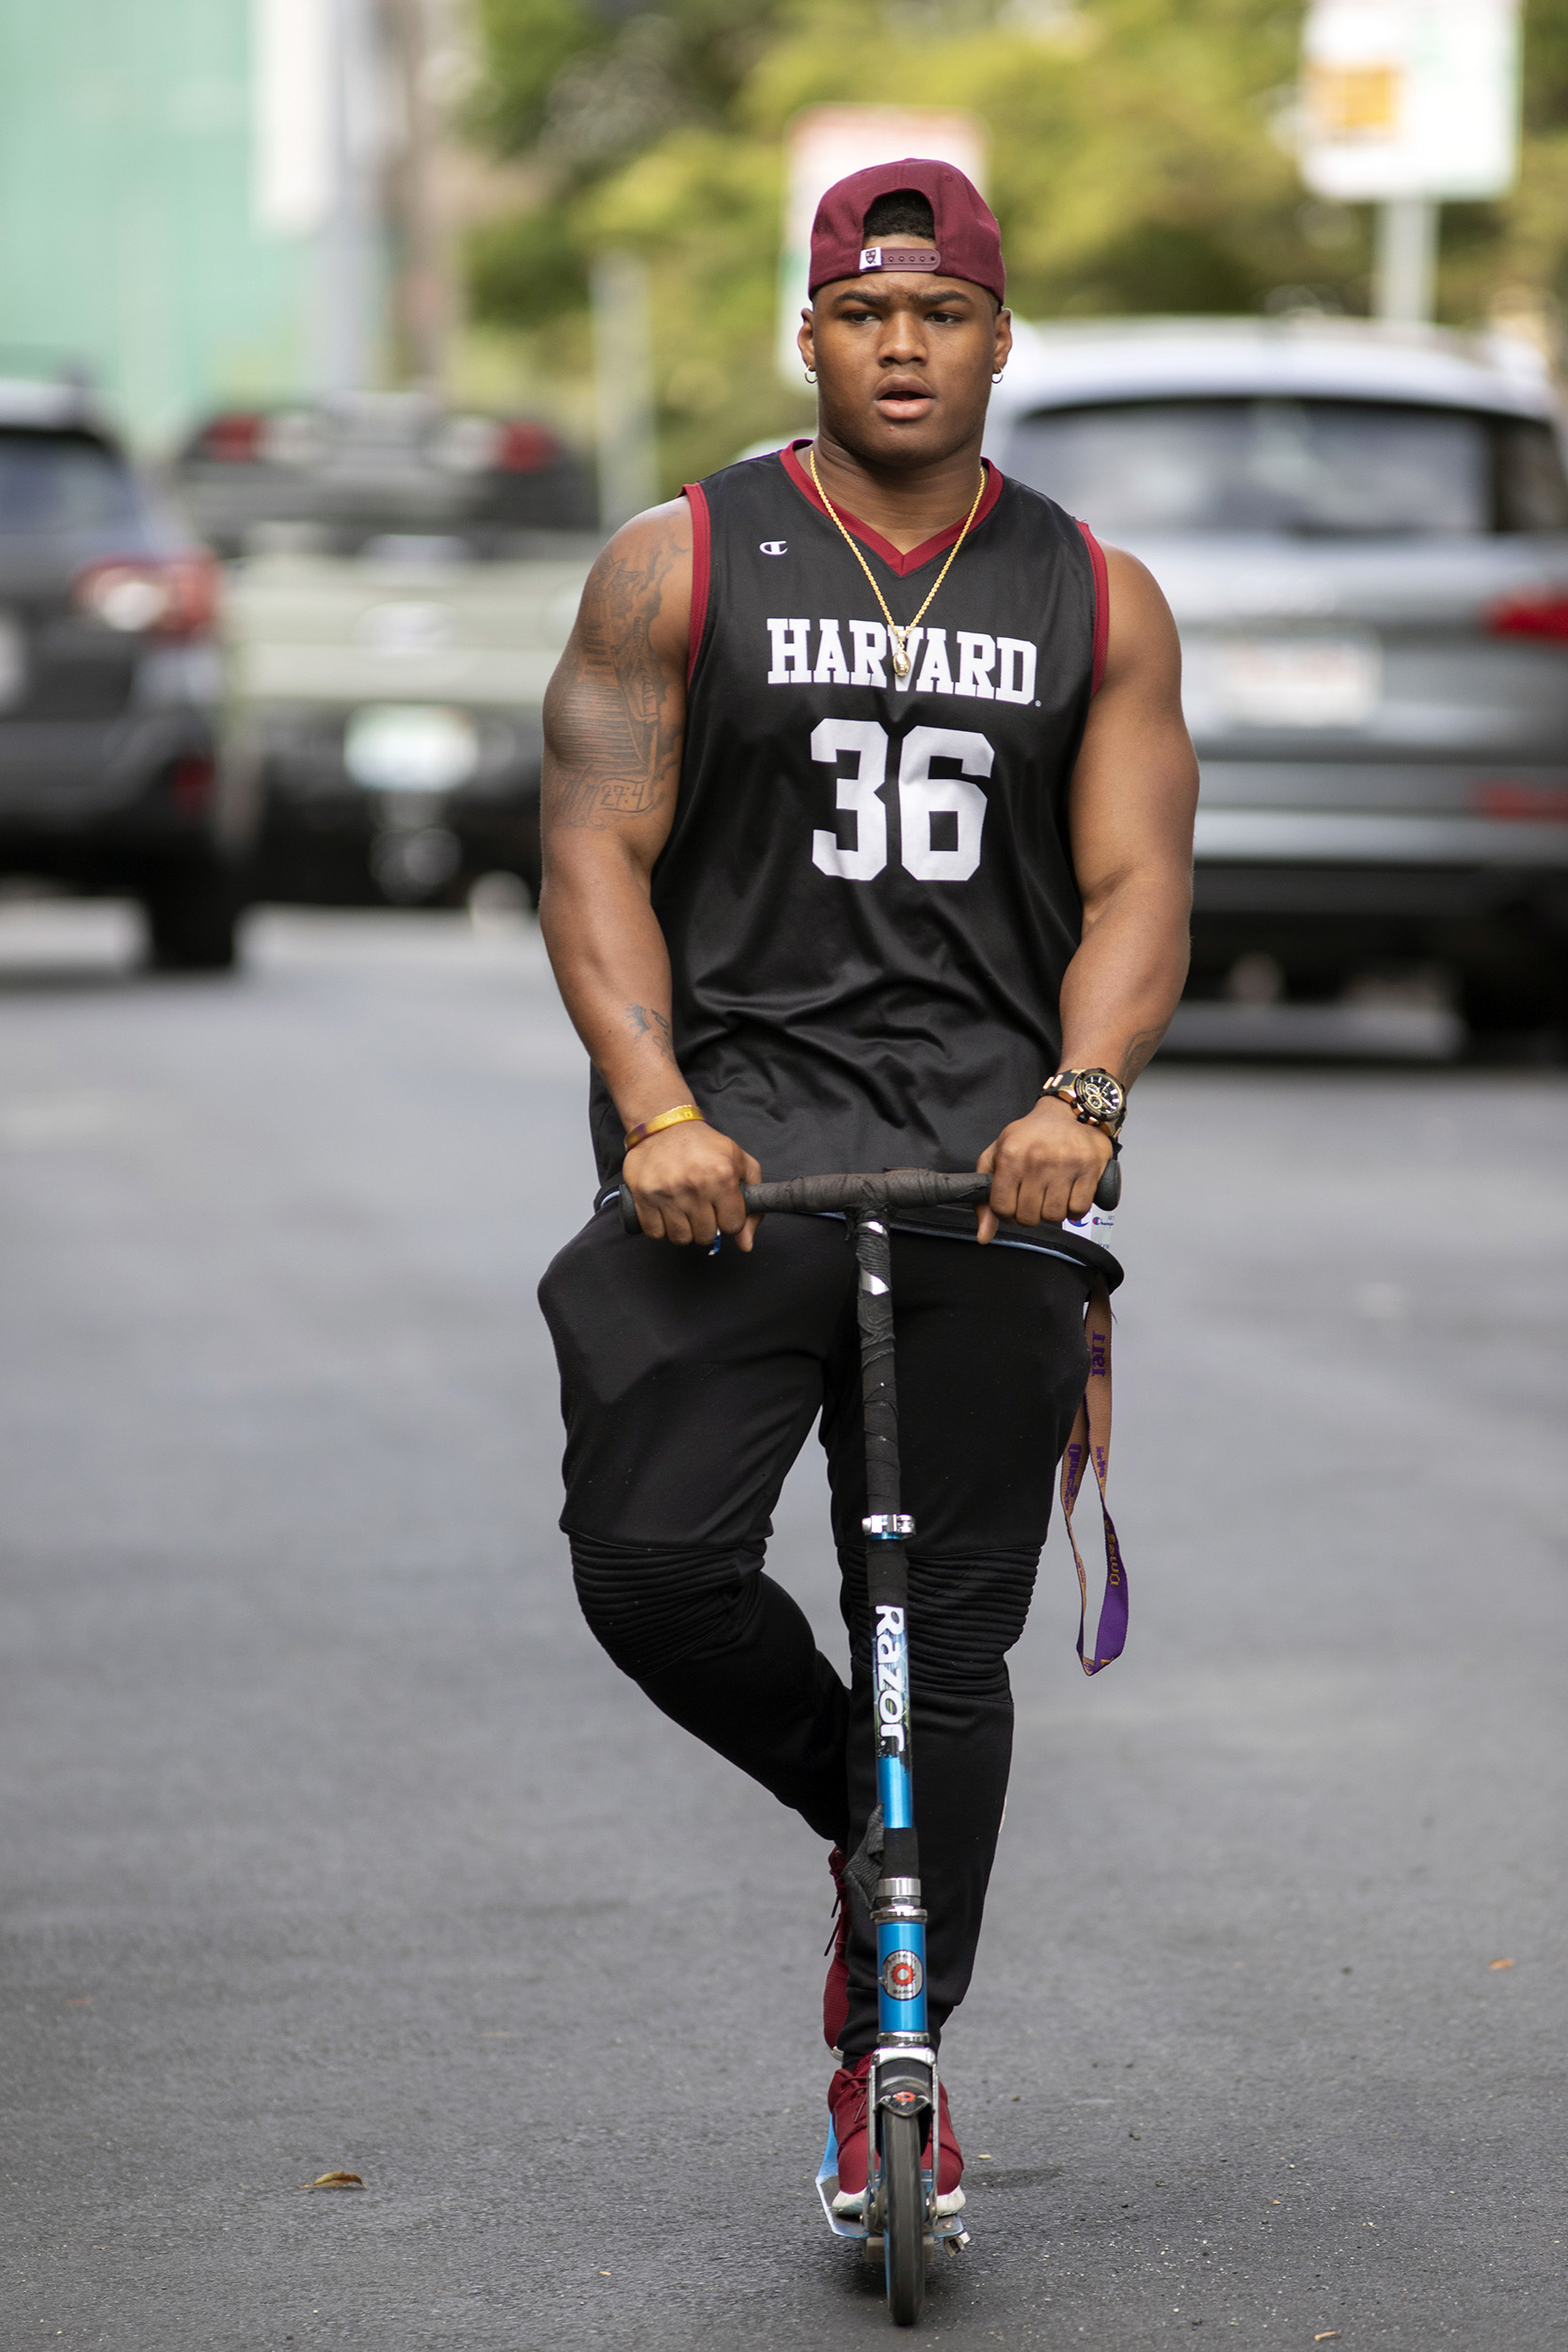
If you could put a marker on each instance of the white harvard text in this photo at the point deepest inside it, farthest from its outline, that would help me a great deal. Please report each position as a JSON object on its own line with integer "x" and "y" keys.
{"x": 981, "y": 668}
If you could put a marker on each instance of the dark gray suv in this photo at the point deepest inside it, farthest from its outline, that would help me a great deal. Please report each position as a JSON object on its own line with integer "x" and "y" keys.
{"x": 110, "y": 681}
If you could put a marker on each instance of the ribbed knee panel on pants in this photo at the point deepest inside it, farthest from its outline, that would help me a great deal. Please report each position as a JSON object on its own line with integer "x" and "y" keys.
{"x": 965, "y": 1615}
{"x": 725, "y": 1652}
{"x": 651, "y": 1605}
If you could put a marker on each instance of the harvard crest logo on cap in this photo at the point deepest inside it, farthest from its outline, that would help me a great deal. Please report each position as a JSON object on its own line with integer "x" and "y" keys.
{"x": 890, "y": 257}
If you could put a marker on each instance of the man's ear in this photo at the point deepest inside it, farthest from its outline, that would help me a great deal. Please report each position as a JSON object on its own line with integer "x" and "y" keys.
{"x": 1003, "y": 340}
{"x": 805, "y": 341}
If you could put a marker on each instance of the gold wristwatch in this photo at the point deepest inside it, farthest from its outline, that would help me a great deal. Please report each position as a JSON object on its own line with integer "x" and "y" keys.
{"x": 1098, "y": 1099}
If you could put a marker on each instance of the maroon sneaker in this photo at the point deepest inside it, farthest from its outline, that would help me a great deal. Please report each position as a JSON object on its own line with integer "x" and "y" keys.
{"x": 847, "y": 2105}
{"x": 836, "y": 1993}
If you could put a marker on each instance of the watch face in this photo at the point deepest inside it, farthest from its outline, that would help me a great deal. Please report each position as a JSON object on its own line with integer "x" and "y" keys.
{"x": 1098, "y": 1094}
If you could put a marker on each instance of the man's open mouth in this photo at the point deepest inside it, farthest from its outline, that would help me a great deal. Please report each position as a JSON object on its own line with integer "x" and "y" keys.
{"x": 904, "y": 398}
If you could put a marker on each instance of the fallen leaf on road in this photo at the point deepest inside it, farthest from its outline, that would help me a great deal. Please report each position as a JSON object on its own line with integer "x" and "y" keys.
{"x": 335, "y": 2180}
{"x": 1499, "y": 1964}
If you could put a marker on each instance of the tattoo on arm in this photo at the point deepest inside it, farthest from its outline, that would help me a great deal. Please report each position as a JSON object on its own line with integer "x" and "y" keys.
{"x": 613, "y": 716}
{"x": 1141, "y": 1049}
{"x": 644, "y": 1020}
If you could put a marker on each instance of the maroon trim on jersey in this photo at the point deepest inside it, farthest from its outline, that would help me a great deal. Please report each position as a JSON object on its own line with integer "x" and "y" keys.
{"x": 894, "y": 557}
{"x": 1102, "y": 606}
{"x": 702, "y": 570}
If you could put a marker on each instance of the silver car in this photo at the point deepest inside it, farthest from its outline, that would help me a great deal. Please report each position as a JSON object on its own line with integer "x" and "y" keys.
{"x": 1363, "y": 534}
{"x": 403, "y": 579}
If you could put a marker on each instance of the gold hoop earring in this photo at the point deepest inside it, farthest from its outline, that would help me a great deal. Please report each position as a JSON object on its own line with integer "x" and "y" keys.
{"x": 811, "y": 375}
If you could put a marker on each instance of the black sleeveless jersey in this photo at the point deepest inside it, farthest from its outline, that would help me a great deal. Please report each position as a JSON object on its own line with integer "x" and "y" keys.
{"x": 867, "y": 890}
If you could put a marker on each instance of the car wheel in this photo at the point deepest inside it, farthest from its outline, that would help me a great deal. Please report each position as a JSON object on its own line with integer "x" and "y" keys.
{"x": 192, "y": 920}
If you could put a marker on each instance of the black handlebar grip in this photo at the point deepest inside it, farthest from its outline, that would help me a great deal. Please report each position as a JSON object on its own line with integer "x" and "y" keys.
{"x": 796, "y": 1193}
{"x": 894, "y": 1188}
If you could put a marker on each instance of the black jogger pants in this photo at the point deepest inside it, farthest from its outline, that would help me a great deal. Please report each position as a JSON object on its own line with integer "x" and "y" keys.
{"x": 688, "y": 1386}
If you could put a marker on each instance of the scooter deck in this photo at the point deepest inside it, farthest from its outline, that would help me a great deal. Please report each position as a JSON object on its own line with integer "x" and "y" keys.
{"x": 949, "y": 2226}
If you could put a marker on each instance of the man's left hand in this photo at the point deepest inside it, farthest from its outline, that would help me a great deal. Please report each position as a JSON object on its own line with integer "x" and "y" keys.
{"x": 1043, "y": 1168}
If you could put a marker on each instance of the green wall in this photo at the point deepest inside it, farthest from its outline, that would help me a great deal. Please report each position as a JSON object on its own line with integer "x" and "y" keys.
{"x": 126, "y": 232}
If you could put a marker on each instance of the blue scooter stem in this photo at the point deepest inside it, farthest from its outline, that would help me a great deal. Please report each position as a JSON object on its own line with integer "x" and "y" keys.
{"x": 900, "y": 1921}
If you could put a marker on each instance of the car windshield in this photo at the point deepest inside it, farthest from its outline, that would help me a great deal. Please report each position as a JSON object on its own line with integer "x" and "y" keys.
{"x": 62, "y": 483}
{"x": 1325, "y": 468}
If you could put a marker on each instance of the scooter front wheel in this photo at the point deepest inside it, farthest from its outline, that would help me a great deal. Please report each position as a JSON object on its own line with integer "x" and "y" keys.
{"x": 904, "y": 2218}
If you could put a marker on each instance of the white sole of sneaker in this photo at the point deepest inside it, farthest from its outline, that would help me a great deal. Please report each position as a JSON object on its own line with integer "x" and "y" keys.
{"x": 851, "y": 2202}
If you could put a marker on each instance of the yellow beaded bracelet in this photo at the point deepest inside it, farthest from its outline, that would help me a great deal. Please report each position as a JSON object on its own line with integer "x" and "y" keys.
{"x": 666, "y": 1119}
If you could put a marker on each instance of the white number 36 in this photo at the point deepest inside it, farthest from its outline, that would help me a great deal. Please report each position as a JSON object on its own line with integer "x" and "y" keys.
{"x": 921, "y": 797}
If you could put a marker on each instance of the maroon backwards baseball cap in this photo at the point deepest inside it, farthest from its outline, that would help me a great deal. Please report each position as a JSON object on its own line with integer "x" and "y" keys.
{"x": 969, "y": 242}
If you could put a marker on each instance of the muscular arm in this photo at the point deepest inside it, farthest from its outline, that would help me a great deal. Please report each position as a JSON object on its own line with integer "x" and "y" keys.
{"x": 1134, "y": 790}
{"x": 615, "y": 717}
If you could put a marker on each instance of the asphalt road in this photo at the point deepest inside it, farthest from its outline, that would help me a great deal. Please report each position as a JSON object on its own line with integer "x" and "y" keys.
{"x": 331, "y": 1840}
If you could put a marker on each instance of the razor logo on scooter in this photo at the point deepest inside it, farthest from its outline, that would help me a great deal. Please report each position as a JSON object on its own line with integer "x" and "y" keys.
{"x": 902, "y": 1975}
{"x": 892, "y": 1692}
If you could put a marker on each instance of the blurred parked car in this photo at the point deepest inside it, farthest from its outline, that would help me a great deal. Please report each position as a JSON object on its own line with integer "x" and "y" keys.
{"x": 404, "y": 581}
{"x": 1364, "y": 535}
{"x": 109, "y": 682}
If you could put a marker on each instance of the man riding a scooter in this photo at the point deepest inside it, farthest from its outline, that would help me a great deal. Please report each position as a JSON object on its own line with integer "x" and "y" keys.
{"x": 868, "y": 811}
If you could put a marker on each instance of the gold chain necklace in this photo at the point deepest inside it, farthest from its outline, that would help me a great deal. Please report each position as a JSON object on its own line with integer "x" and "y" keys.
{"x": 900, "y": 637}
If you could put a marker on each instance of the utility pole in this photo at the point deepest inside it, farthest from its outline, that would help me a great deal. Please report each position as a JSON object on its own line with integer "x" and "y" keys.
{"x": 624, "y": 388}
{"x": 1405, "y": 269}
{"x": 347, "y": 287}
{"x": 424, "y": 276}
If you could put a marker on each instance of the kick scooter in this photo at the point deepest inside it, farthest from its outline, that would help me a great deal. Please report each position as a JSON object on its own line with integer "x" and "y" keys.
{"x": 899, "y": 2218}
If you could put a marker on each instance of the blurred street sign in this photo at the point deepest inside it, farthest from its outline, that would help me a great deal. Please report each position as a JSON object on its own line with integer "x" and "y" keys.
{"x": 1409, "y": 98}
{"x": 827, "y": 143}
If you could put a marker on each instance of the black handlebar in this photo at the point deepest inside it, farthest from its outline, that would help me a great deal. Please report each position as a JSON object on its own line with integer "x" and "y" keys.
{"x": 896, "y": 1188}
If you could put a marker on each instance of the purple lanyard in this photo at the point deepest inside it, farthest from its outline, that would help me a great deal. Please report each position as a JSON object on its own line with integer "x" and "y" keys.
{"x": 1091, "y": 1442}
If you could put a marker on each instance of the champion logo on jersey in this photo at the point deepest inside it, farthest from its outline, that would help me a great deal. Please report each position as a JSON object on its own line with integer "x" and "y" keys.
{"x": 773, "y": 546}
{"x": 979, "y": 668}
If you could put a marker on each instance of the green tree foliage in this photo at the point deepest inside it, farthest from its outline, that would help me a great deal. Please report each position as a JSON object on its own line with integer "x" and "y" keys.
{"x": 1546, "y": 66}
{"x": 1140, "y": 161}
{"x": 596, "y": 84}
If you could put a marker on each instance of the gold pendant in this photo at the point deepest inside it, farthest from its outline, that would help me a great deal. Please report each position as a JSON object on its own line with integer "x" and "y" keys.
{"x": 900, "y": 662}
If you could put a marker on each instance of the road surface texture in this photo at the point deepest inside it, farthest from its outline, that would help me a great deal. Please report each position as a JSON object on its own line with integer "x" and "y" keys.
{"x": 331, "y": 1840}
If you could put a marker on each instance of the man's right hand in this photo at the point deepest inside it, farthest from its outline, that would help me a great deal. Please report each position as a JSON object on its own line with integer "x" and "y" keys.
{"x": 686, "y": 1181}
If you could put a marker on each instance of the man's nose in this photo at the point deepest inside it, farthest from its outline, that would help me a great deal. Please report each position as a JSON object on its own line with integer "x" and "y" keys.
{"x": 903, "y": 344}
